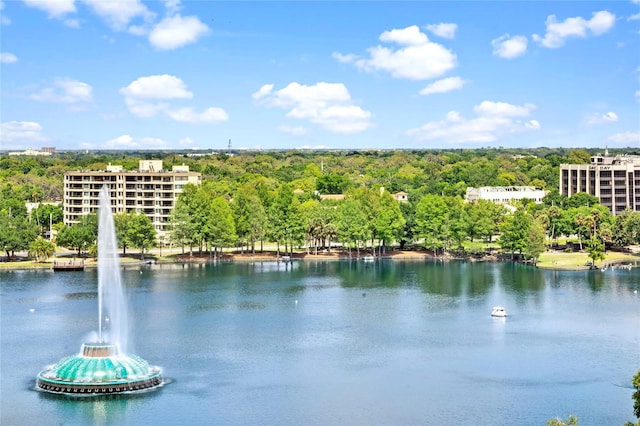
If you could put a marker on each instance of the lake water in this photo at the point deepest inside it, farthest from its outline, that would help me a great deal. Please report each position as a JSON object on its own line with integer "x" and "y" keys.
{"x": 336, "y": 343}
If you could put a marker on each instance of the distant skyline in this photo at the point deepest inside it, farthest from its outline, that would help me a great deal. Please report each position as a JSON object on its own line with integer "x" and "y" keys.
{"x": 92, "y": 74}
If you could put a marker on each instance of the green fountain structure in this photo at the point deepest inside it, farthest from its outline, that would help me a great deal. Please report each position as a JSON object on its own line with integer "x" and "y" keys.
{"x": 105, "y": 366}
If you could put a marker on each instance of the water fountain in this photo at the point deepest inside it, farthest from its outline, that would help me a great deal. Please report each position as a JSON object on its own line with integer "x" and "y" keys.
{"x": 104, "y": 366}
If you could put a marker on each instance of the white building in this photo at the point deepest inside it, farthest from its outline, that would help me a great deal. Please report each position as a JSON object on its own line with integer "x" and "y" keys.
{"x": 150, "y": 190}
{"x": 505, "y": 194}
{"x": 31, "y": 152}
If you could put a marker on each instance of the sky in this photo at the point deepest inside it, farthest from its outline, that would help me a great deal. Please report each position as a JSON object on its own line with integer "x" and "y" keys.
{"x": 96, "y": 74}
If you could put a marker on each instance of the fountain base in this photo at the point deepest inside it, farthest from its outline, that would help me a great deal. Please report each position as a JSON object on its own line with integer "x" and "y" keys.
{"x": 99, "y": 369}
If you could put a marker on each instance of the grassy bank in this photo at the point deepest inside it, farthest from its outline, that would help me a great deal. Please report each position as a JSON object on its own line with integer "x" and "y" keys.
{"x": 576, "y": 261}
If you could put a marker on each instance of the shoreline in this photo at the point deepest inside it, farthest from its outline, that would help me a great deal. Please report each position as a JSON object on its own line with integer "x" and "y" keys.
{"x": 548, "y": 260}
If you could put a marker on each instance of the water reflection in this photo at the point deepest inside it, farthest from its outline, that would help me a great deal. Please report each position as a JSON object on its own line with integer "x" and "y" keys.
{"x": 97, "y": 410}
{"x": 384, "y": 334}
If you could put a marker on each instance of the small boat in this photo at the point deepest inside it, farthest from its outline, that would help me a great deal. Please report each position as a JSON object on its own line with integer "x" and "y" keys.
{"x": 498, "y": 311}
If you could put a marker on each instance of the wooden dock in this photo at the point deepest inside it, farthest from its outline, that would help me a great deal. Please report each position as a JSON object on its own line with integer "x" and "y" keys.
{"x": 68, "y": 265}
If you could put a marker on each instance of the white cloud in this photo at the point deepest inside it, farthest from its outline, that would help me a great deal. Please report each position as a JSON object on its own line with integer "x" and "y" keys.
{"x": 118, "y": 14}
{"x": 637, "y": 94}
{"x": 410, "y": 36}
{"x": 170, "y": 33}
{"x": 129, "y": 142}
{"x": 494, "y": 120}
{"x": 54, "y": 9}
{"x": 634, "y": 17}
{"x": 172, "y": 6}
{"x": 163, "y": 86}
{"x": 344, "y": 58}
{"x": 625, "y": 138}
{"x": 442, "y": 86}
{"x": 557, "y": 32}
{"x": 328, "y": 105}
{"x": 532, "y": 124}
{"x": 65, "y": 91}
{"x": 417, "y": 58}
{"x": 597, "y": 118}
{"x": 443, "y": 30}
{"x": 145, "y": 109}
{"x": 186, "y": 141}
{"x": 315, "y": 147}
{"x": 21, "y": 134}
{"x": 265, "y": 90}
{"x": 72, "y": 23}
{"x": 509, "y": 47}
{"x": 8, "y": 58}
{"x": 490, "y": 108}
{"x": 188, "y": 115}
{"x": 293, "y": 130}
{"x": 3, "y": 19}
{"x": 177, "y": 31}
{"x": 150, "y": 96}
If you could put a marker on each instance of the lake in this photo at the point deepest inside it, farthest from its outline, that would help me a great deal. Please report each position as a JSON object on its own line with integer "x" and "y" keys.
{"x": 336, "y": 343}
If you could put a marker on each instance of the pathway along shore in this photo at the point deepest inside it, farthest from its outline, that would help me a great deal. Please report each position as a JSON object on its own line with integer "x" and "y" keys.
{"x": 548, "y": 260}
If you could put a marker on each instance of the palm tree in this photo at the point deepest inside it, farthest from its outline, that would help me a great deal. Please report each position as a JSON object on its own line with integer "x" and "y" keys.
{"x": 41, "y": 249}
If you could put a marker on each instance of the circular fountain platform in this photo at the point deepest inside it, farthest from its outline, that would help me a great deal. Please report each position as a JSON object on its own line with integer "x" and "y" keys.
{"x": 99, "y": 369}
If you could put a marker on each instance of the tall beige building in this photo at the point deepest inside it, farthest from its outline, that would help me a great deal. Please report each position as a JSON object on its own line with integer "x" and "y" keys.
{"x": 150, "y": 190}
{"x": 614, "y": 180}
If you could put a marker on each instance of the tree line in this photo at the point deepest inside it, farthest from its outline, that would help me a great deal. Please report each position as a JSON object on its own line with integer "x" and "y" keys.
{"x": 249, "y": 199}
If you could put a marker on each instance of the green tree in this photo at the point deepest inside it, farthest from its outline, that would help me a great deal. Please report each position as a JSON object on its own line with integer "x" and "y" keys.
{"x": 79, "y": 236}
{"x": 515, "y": 232}
{"x": 571, "y": 421}
{"x": 478, "y": 220}
{"x": 331, "y": 183}
{"x": 626, "y": 228}
{"x": 241, "y": 209}
{"x": 141, "y": 233}
{"x": 221, "y": 228}
{"x": 41, "y": 249}
{"x": 409, "y": 212}
{"x": 47, "y": 214}
{"x": 190, "y": 216}
{"x": 554, "y": 216}
{"x": 12, "y": 202}
{"x": 581, "y": 199}
{"x": 16, "y": 233}
{"x": 595, "y": 249}
{"x": 367, "y": 199}
{"x": 321, "y": 219}
{"x": 287, "y": 223}
{"x": 249, "y": 216}
{"x": 432, "y": 217}
{"x": 535, "y": 241}
{"x": 579, "y": 156}
{"x": 122, "y": 222}
{"x": 388, "y": 222}
{"x": 636, "y": 395}
{"x": 457, "y": 223}
{"x": 352, "y": 224}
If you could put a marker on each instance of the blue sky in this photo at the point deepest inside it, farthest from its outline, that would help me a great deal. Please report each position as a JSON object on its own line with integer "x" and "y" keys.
{"x": 91, "y": 74}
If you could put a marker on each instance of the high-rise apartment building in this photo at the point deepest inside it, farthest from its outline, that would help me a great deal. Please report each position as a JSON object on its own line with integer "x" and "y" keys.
{"x": 150, "y": 190}
{"x": 614, "y": 180}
